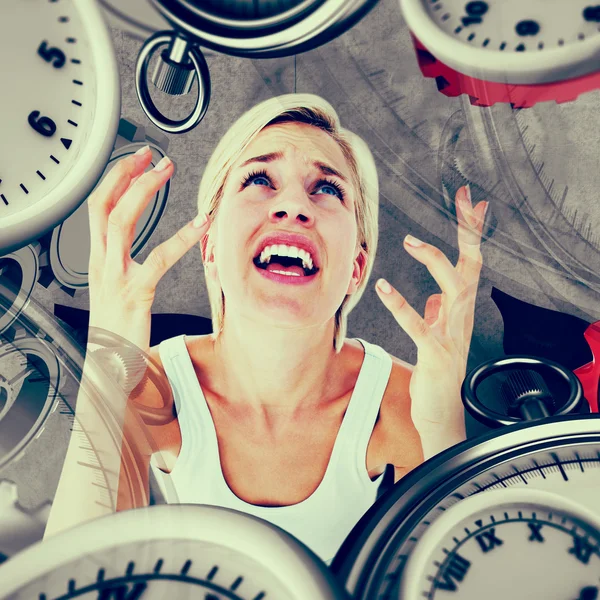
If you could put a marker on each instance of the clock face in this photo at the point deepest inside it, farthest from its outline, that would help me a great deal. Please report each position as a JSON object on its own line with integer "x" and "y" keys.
{"x": 179, "y": 551}
{"x": 514, "y": 41}
{"x": 517, "y": 26}
{"x": 516, "y": 531}
{"x": 60, "y": 106}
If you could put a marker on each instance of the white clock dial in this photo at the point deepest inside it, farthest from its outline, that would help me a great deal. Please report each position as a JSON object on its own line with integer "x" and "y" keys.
{"x": 529, "y": 543}
{"x": 60, "y": 111}
{"x": 170, "y": 551}
{"x": 513, "y": 41}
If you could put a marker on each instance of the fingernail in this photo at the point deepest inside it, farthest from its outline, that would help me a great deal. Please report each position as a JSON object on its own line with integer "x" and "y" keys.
{"x": 487, "y": 205}
{"x": 413, "y": 241}
{"x": 142, "y": 151}
{"x": 200, "y": 220}
{"x": 384, "y": 286}
{"x": 468, "y": 188}
{"x": 163, "y": 164}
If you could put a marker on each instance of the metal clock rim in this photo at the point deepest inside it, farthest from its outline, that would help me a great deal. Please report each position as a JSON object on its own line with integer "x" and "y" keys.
{"x": 253, "y": 25}
{"x": 488, "y": 368}
{"x": 367, "y": 544}
{"x": 509, "y": 68}
{"x": 308, "y": 33}
{"x": 162, "y": 38}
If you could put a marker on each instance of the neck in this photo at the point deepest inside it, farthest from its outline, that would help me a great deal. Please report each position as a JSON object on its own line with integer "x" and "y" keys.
{"x": 274, "y": 368}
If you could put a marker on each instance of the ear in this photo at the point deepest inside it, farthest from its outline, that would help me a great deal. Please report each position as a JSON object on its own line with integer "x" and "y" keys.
{"x": 207, "y": 248}
{"x": 358, "y": 271}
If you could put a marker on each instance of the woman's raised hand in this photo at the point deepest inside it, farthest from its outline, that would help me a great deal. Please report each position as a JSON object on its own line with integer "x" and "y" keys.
{"x": 443, "y": 334}
{"x": 121, "y": 290}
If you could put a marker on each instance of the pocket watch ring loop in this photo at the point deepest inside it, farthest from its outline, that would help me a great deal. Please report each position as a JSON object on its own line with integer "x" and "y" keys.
{"x": 174, "y": 74}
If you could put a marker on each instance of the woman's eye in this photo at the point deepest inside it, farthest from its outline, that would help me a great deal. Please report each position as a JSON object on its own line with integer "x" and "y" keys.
{"x": 330, "y": 188}
{"x": 260, "y": 178}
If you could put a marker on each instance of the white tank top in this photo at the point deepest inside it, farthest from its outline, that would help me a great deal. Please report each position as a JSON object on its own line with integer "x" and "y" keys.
{"x": 324, "y": 519}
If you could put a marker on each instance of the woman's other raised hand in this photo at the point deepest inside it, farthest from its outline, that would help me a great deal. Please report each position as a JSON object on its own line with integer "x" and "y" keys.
{"x": 121, "y": 290}
{"x": 443, "y": 334}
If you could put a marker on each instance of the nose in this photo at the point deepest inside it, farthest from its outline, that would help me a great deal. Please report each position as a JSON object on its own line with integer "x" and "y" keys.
{"x": 293, "y": 205}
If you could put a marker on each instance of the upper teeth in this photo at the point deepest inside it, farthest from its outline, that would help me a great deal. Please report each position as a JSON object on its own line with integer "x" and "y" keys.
{"x": 284, "y": 250}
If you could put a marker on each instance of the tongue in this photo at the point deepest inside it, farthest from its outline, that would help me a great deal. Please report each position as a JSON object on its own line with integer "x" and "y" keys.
{"x": 279, "y": 267}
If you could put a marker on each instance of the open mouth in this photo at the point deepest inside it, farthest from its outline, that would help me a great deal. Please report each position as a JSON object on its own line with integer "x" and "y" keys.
{"x": 286, "y": 260}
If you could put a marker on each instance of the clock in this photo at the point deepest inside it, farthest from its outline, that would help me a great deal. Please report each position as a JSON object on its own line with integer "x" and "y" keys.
{"x": 181, "y": 551}
{"x": 533, "y": 541}
{"x": 60, "y": 112}
{"x": 516, "y": 51}
{"x": 531, "y": 471}
{"x": 255, "y": 29}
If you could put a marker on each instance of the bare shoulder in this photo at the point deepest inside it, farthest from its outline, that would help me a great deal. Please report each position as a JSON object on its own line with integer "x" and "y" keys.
{"x": 395, "y": 437}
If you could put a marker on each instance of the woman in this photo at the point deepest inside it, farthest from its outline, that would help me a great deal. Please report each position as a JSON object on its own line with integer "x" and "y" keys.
{"x": 279, "y": 415}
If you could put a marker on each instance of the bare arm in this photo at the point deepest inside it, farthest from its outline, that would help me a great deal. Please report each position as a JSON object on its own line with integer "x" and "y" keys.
{"x": 121, "y": 296}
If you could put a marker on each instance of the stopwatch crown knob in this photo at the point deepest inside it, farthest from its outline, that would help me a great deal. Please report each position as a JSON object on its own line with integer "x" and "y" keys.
{"x": 174, "y": 71}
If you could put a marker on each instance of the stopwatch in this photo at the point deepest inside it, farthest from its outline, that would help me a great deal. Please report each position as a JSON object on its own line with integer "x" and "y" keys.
{"x": 183, "y": 551}
{"x": 41, "y": 368}
{"x": 257, "y": 29}
{"x": 60, "y": 114}
{"x": 511, "y": 51}
{"x": 556, "y": 455}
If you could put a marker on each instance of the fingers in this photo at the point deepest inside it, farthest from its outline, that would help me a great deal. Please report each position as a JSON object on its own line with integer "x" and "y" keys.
{"x": 470, "y": 228}
{"x": 125, "y": 215}
{"x": 165, "y": 255}
{"x": 409, "y": 319}
{"x": 105, "y": 197}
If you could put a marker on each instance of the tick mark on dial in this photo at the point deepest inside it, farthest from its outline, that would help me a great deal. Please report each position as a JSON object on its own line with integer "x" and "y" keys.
{"x": 236, "y": 584}
{"x": 486, "y": 42}
{"x": 458, "y": 29}
{"x": 4, "y": 199}
{"x": 72, "y": 123}
{"x": 186, "y": 567}
{"x": 75, "y": 61}
{"x": 471, "y": 37}
{"x": 77, "y": 82}
{"x": 71, "y": 40}
{"x": 24, "y": 188}
{"x": 55, "y": 159}
{"x": 502, "y": 45}
{"x": 41, "y": 175}
{"x": 446, "y": 17}
{"x": 76, "y": 103}
{"x": 63, "y": 19}
{"x": 212, "y": 573}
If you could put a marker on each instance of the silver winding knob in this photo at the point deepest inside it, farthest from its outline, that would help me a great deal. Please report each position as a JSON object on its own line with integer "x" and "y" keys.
{"x": 174, "y": 72}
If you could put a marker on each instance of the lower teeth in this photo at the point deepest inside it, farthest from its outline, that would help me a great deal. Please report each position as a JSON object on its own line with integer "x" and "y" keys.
{"x": 286, "y": 273}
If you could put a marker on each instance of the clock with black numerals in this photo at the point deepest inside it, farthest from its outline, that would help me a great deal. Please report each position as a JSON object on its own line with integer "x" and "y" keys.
{"x": 546, "y": 49}
{"x": 60, "y": 112}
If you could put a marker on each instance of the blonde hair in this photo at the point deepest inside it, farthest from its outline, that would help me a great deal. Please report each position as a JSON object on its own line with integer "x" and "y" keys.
{"x": 303, "y": 108}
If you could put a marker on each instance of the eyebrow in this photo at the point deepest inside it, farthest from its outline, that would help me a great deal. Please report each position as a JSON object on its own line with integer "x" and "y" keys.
{"x": 272, "y": 156}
